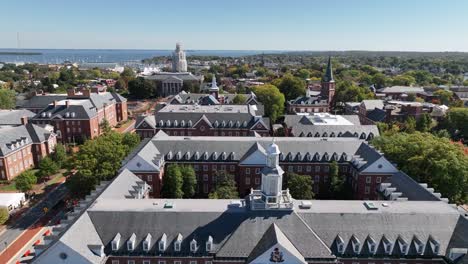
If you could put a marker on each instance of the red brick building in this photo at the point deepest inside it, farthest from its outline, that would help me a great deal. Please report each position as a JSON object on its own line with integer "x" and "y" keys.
{"x": 362, "y": 166}
{"x": 79, "y": 116}
{"x": 117, "y": 226}
{"x": 23, "y": 147}
{"x": 205, "y": 120}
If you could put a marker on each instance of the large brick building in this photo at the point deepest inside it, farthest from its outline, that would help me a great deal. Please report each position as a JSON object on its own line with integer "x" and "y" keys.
{"x": 79, "y": 116}
{"x": 314, "y": 102}
{"x": 114, "y": 226}
{"x": 205, "y": 120}
{"x": 363, "y": 167}
{"x": 22, "y": 147}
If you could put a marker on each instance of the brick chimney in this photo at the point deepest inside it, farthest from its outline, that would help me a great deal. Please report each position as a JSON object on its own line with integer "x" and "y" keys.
{"x": 24, "y": 120}
{"x": 95, "y": 90}
{"x": 71, "y": 92}
{"x": 86, "y": 93}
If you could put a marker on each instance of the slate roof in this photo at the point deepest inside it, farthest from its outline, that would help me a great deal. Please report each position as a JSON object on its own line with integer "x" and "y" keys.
{"x": 309, "y": 100}
{"x": 184, "y": 76}
{"x": 411, "y": 189}
{"x": 302, "y": 127}
{"x": 232, "y": 116}
{"x": 377, "y": 115}
{"x": 148, "y": 119}
{"x": 42, "y": 101}
{"x": 372, "y": 104}
{"x": 401, "y": 89}
{"x": 126, "y": 185}
{"x": 21, "y": 135}
{"x": 13, "y": 117}
{"x": 203, "y": 99}
{"x": 80, "y": 109}
{"x": 293, "y": 149}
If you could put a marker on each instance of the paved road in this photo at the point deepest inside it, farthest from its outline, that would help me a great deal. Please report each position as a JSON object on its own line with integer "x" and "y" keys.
{"x": 30, "y": 217}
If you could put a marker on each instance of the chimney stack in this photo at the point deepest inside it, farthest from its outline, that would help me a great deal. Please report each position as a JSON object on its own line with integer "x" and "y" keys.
{"x": 24, "y": 120}
{"x": 86, "y": 93}
{"x": 67, "y": 103}
{"x": 55, "y": 103}
{"x": 71, "y": 92}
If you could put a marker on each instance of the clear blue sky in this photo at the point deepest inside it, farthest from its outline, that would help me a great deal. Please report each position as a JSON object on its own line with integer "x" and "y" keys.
{"x": 422, "y": 25}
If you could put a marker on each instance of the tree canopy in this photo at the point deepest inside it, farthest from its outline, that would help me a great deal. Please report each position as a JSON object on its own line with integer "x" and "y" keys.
{"x": 7, "y": 98}
{"x": 431, "y": 159}
{"x": 273, "y": 100}
{"x": 225, "y": 187}
{"x": 141, "y": 88}
{"x": 25, "y": 181}
{"x": 47, "y": 167}
{"x": 101, "y": 157}
{"x": 172, "y": 182}
{"x": 189, "y": 181}
{"x": 456, "y": 122}
{"x": 239, "y": 99}
{"x": 4, "y": 215}
{"x": 300, "y": 186}
{"x": 292, "y": 87}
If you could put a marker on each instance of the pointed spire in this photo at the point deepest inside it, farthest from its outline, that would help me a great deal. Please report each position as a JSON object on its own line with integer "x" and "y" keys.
{"x": 329, "y": 73}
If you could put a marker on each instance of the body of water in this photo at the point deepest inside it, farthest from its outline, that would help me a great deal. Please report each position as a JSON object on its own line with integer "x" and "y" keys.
{"x": 50, "y": 56}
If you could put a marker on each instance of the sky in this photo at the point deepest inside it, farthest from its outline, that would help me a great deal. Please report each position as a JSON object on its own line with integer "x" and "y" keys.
{"x": 394, "y": 25}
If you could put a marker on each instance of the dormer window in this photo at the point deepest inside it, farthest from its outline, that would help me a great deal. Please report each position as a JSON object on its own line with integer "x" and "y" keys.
{"x": 178, "y": 243}
{"x": 116, "y": 242}
{"x": 209, "y": 244}
{"x": 147, "y": 243}
{"x": 193, "y": 245}
{"x": 356, "y": 244}
{"x": 435, "y": 245}
{"x": 419, "y": 246}
{"x": 340, "y": 248}
{"x": 176, "y": 123}
{"x": 182, "y": 123}
{"x": 403, "y": 245}
{"x": 339, "y": 244}
{"x": 131, "y": 242}
{"x": 162, "y": 243}
{"x": 372, "y": 245}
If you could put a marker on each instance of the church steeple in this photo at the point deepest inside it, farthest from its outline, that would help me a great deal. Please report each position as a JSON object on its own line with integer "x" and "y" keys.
{"x": 214, "y": 89}
{"x": 329, "y": 73}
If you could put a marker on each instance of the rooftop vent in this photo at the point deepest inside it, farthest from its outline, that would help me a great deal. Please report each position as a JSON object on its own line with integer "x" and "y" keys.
{"x": 168, "y": 205}
{"x": 370, "y": 206}
{"x": 305, "y": 205}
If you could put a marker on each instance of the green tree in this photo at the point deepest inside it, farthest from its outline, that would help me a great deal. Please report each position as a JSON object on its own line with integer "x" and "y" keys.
{"x": 47, "y": 167}
{"x": 445, "y": 96}
{"x": 300, "y": 186}
{"x": 101, "y": 158}
{"x": 190, "y": 181}
{"x": 239, "y": 99}
{"x": 172, "y": 182}
{"x": 410, "y": 125}
{"x": 141, "y": 88}
{"x": 105, "y": 126}
{"x": 427, "y": 158}
{"x": 81, "y": 183}
{"x": 424, "y": 123}
{"x": 7, "y": 98}
{"x": 292, "y": 87}
{"x": 456, "y": 122}
{"x": 25, "y": 181}
{"x": 273, "y": 100}
{"x": 349, "y": 92}
{"x": 4, "y": 215}
{"x": 405, "y": 80}
{"x": 225, "y": 187}
{"x": 59, "y": 155}
{"x": 303, "y": 74}
{"x": 337, "y": 183}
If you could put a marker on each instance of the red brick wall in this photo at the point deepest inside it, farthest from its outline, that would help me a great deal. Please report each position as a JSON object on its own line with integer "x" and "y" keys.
{"x": 152, "y": 179}
{"x": 155, "y": 259}
{"x": 18, "y": 161}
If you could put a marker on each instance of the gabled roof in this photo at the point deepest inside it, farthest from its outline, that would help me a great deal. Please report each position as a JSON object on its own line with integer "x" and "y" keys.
{"x": 21, "y": 135}
{"x": 149, "y": 120}
{"x": 272, "y": 236}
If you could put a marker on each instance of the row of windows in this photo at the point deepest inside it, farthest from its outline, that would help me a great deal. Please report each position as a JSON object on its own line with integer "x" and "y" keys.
{"x": 147, "y": 261}
{"x": 17, "y": 155}
{"x": 214, "y": 167}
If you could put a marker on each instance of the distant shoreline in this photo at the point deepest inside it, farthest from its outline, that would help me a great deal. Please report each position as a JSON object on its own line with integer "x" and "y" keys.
{"x": 19, "y": 53}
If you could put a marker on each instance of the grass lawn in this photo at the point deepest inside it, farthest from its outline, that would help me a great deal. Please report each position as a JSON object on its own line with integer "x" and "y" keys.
{"x": 11, "y": 187}
{"x": 8, "y": 188}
